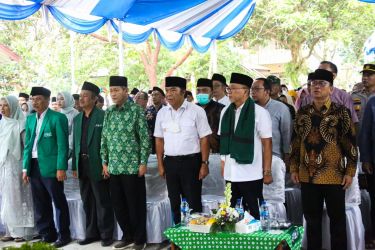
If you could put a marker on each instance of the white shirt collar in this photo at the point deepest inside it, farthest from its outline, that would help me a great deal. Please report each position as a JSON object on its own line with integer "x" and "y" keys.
{"x": 240, "y": 107}
{"x": 42, "y": 115}
{"x": 223, "y": 98}
{"x": 183, "y": 106}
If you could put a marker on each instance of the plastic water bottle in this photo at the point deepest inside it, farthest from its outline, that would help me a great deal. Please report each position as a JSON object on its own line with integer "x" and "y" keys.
{"x": 265, "y": 216}
{"x": 239, "y": 209}
{"x": 184, "y": 212}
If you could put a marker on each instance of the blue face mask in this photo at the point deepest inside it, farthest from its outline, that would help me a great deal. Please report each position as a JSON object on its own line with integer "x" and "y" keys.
{"x": 203, "y": 99}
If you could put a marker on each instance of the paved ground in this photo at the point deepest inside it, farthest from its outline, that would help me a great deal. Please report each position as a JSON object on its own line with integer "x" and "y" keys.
{"x": 94, "y": 246}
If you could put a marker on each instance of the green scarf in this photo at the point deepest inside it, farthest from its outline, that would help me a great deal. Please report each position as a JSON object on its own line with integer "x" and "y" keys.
{"x": 240, "y": 143}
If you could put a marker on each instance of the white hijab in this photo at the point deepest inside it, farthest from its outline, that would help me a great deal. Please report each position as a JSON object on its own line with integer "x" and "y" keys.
{"x": 10, "y": 131}
{"x": 69, "y": 102}
{"x": 31, "y": 109}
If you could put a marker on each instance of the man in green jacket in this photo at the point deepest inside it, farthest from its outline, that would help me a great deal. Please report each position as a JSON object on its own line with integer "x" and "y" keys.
{"x": 44, "y": 164}
{"x": 94, "y": 187}
{"x": 125, "y": 150}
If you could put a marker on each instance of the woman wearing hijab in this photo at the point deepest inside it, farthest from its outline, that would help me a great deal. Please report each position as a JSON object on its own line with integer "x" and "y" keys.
{"x": 16, "y": 207}
{"x": 66, "y": 102}
{"x": 302, "y": 93}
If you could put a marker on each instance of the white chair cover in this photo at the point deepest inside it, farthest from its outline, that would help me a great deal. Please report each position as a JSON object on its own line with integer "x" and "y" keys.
{"x": 293, "y": 204}
{"x": 2, "y": 227}
{"x": 353, "y": 194}
{"x": 214, "y": 183}
{"x": 159, "y": 215}
{"x": 277, "y": 210}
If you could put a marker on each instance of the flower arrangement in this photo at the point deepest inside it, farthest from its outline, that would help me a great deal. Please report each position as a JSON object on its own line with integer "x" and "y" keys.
{"x": 226, "y": 216}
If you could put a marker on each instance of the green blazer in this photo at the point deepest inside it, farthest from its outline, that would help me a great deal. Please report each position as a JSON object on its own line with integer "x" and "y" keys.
{"x": 52, "y": 143}
{"x": 94, "y": 135}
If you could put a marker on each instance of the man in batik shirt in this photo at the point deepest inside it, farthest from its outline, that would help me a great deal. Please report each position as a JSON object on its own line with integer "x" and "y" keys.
{"x": 125, "y": 148}
{"x": 323, "y": 160}
{"x": 158, "y": 100}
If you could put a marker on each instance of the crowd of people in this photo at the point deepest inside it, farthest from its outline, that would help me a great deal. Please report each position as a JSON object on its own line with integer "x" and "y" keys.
{"x": 312, "y": 136}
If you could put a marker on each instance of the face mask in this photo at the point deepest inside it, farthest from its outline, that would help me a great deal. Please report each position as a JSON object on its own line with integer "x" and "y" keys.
{"x": 203, "y": 99}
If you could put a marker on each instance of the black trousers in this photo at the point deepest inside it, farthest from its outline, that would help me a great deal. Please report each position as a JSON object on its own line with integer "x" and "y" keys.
{"x": 182, "y": 175}
{"x": 313, "y": 196}
{"x": 128, "y": 195}
{"x": 371, "y": 190}
{"x": 46, "y": 190}
{"x": 97, "y": 204}
{"x": 251, "y": 193}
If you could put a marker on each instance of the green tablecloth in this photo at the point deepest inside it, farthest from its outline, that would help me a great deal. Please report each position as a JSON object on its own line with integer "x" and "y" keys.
{"x": 185, "y": 239}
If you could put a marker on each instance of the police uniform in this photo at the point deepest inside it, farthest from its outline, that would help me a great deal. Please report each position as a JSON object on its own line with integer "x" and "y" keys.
{"x": 360, "y": 98}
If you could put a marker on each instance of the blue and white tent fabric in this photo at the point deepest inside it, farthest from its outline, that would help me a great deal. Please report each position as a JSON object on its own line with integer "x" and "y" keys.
{"x": 369, "y": 49}
{"x": 172, "y": 21}
{"x": 368, "y": 1}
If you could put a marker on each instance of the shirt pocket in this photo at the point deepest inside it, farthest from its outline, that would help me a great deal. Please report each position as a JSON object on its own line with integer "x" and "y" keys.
{"x": 164, "y": 127}
{"x": 47, "y": 141}
{"x": 188, "y": 129}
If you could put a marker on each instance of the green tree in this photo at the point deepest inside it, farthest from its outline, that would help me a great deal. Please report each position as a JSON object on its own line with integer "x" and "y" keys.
{"x": 299, "y": 26}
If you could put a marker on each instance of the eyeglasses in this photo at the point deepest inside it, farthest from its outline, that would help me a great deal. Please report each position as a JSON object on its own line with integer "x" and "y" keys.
{"x": 256, "y": 89}
{"x": 319, "y": 83}
{"x": 229, "y": 90}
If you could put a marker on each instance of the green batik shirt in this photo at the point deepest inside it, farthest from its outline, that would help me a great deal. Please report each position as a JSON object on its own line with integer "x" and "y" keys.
{"x": 125, "y": 141}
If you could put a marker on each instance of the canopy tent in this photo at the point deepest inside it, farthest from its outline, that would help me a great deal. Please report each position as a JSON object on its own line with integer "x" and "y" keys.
{"x": 369, "y": 49}
{"x": 173, "y": 21}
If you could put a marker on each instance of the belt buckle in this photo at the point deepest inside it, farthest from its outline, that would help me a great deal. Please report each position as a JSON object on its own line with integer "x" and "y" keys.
{"x": 85, "y": 156}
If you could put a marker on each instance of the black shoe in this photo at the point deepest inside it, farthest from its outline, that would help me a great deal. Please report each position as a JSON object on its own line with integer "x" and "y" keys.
{"x": 6, "y": 238}
{"x": 46, "y": 240}
{"x": 139, "y": 246}
{"x": 37, "y": 237}
{"x": 61, "y": 243}
{"x": 123, "y": 244}
{"x": 106, "y": 242}
{"x": 87, "y": 241}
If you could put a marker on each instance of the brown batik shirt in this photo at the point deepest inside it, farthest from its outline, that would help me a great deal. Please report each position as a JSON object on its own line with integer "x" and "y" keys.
{"x": 323, "y": 144}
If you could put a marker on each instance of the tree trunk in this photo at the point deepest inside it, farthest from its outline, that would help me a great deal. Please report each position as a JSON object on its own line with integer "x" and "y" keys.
{"x": 149, "y": 59}
{"x": 178, "y": 64}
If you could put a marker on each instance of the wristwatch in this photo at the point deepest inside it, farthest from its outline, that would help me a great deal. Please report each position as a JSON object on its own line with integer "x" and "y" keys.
{"x": 205, "y": 162}
{"x": 267, "y": 172}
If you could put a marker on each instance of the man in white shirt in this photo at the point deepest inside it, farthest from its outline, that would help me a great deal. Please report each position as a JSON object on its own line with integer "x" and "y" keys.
{"x": 281, "y": 134}
{"x": 181, "y": 135}
{"x": 245, "y": 145}
{"x": 219, "y": 84}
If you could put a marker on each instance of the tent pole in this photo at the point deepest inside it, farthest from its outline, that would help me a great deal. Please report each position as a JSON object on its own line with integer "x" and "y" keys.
{"x": 72, "y": 62}
{"x": 214, "y": 56}
{"x": 121, "y": 50}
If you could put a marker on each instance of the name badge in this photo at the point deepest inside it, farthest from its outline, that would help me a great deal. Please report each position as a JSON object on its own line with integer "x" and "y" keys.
{"x": 49, "y": 134}
{"x": 173, "y": 127}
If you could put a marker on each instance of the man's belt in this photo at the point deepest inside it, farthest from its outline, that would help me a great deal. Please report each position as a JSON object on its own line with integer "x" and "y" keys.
{"x": 83, "y": 156}
{"x": 183, "y": 157}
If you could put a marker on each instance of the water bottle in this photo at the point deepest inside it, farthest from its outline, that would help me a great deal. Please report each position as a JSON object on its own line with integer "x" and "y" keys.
{"x": 184, "y": 212}
{"x": 239, "y": 209}
{"x": 264, "y": 216}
